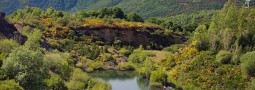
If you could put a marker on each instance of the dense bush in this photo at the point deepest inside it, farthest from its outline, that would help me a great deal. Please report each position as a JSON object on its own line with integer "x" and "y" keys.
{"x": 201, "y": 37}
{"x": 125, "y": 66}
{"x": 55, "y": 82}
{"x": 138, "y": 56}
{"x": 251, "y": 85}
{"x": 248, "y": 63}
{"x": 146, "y": 68}
{"x": 80, "y": 81}
{"x": 26, "y": 67}
{"x": 10, "y": 85}
{"x": 206, "y": 73}
{"x": 125, "y": 51}
{"x": 57, "y": 63}
{"x": 7, "y": 45}
{"x": 134, "y": 17}
{"x": 114, "y": 12}
{"x": 158, "y": 77}
{"x": 34, "y": 40}
{"x": 224, "y": 57}
{"x": 5, "y": 48}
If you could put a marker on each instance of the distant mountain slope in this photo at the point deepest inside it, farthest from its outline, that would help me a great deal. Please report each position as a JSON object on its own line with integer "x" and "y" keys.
{"x": 147, "y": 8}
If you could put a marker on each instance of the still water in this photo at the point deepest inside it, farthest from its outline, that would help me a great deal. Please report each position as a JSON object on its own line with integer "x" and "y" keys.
{"x": 124, "y": 80}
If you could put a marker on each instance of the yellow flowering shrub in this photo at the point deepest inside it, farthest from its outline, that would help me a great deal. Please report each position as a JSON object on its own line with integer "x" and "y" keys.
{"x": 47, "y": 21}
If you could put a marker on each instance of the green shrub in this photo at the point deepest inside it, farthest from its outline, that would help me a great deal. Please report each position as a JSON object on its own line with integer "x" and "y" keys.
{"x": 224, "y": 57}
{"x": 125, "y": 66}
{"x": 134, "y": 17}
{"x": 97, "y": 65}
{"x": 55, "y": 45}
{"x": 125, "y": 51}
{"x": 34, "y": 40}
{"x": 10, "y": 85}
{"x": 65, "y": 70}
{"x": 82, "y": 81}
{"x": 248, "y": 63}
{"x": 89, "y": 69}
{"x": 159, "y": 76}
{"x": 78, "y": 81}
{"x": 79, "y": 65}
{"x": 102, "y": 86}
{"x": 236, "y": 56}
{"x": 146, "y": 69}
{"x": 7, "y": 45}
{"x": 138, "y": 56}
{"x": 251, "y": 85}
{"x": 57, "y": 63}
{"x": 144, "y": 72}
{"x": 55, "y": 82}
{"x": 108, "y": 57}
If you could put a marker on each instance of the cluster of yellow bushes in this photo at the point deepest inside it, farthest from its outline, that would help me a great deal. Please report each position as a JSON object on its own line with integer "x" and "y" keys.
{"x": 58, "y": 31}
{"x": 100, "y": 23}
{"x": 47, "y": 21}
{"x": 61, "y": 31}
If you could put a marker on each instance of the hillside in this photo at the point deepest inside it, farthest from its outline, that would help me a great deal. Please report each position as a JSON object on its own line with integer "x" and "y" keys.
{"x": 61, "y": 50}
{"x": 146, "y": 8}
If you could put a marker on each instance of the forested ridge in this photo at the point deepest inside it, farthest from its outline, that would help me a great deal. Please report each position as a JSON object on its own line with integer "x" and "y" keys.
{"x": 146, "y": 8}
{"x": 211, "y": 49}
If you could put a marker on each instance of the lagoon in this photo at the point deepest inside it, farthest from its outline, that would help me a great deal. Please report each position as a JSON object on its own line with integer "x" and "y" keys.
{"x": 124, "y": 80}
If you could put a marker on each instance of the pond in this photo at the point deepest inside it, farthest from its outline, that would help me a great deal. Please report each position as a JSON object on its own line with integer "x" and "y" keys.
{"x": 124, "y": 80}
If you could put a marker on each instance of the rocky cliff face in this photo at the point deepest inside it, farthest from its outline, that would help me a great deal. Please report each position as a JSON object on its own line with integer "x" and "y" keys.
{"x": 133, "y": 37}
{"x": 9, "y": 30}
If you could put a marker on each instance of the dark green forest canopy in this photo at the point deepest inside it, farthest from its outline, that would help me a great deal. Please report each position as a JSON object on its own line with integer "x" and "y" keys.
{"x": 146, "y": 8}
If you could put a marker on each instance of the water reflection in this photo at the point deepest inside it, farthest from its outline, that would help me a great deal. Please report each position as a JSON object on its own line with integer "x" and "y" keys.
{"x": 124, "y": 80}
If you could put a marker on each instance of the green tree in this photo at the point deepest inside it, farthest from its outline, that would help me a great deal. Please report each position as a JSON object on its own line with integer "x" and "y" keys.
{"x": 200, "y": 35}
{"x": 36, "y": 12}
{"x": 5, "y": 48}
{"x": 158, "y": 77}
{"x": 146, "y": 68}
{"x": 224, "y": 57}
{"x": 134, "y": 17}
{"x": 34, "y": 40}
{"x": 105, "y": 12}
{"x": 26, "y": 67}
{"x": 49, "y": 12}
{"x": 81, "y": 14}
{"x": 117, "y": 13}
{"x": 154, "y": 20}
{"x": 248, "y": 63}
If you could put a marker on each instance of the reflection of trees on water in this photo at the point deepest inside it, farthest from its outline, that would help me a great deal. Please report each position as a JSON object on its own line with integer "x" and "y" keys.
{"x": 144, "y": 84}
{"x": 114, "y": 75}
